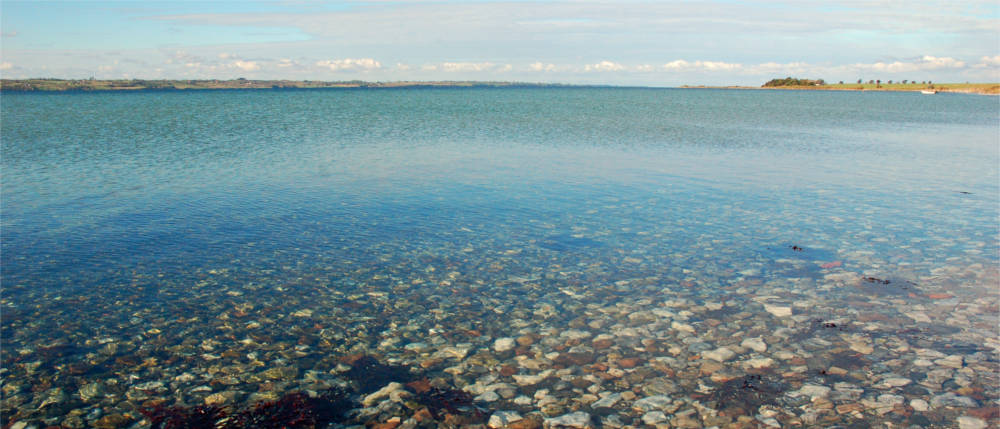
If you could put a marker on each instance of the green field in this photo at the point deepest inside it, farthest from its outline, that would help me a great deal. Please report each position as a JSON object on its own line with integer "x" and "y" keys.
{"x": 974, "y": 88}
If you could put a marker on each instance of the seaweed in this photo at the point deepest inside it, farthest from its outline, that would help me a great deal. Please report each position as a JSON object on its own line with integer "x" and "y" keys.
{"x": 370, "y": 375}
{"x": 180, "y": 417}
{"x": 747, "y": 393}
{"x": 296, "y": 410}
{"x": 452, "y": 401}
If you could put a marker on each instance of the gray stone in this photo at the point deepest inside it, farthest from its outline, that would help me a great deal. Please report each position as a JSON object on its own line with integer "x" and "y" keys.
{"x": 577, "y": 419}
{"x": 501, "y": 419}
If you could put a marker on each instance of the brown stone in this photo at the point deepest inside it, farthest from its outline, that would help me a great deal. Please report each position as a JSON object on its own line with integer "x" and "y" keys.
{"x": 849, "y": 408}
{"x": 574, "y": 359}
{"x": 530, "y": 421}
{"x": 423, "y": 415}
{"x": 508, "y": 370}
{"x": 112, "y": 421}
{"x": 525, "y": 340}
{"x": 603, "y": 343}
{"x": 419, "y": 386}
{"x": 628, "y": 363}
{"x": 387, "y": 425}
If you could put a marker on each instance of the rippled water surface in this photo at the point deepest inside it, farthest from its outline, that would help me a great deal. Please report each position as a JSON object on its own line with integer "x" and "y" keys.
{"x": 691, "y": 257}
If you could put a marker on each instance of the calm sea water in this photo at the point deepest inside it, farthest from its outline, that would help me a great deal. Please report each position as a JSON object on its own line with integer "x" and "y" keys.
{"x": 123, "y": 213}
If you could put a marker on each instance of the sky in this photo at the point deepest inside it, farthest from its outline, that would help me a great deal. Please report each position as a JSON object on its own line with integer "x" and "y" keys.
{"x": 651, "y": 43}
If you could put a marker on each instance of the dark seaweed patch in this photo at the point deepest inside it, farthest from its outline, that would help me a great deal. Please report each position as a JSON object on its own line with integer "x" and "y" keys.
{"x": 370, "y": 375}
{"x": 747, "y": 393}
{"x": 451, "y": 401}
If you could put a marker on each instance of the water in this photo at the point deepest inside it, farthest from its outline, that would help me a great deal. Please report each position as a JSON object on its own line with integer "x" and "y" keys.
{"x": 219, "y": 234}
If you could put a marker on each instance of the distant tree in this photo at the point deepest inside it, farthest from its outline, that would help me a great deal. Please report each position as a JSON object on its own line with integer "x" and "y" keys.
{"x": 859, "y": 81}
{"x": 904, "y": 81}
{"x": 871, "y": 81}
{"x": 841, "y": 82}
{"x": 878, "y": 83}
{"x": 890, "y": 81}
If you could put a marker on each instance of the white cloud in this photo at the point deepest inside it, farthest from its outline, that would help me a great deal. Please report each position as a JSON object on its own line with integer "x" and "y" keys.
{"x": 993, "y": 61}
{"x": 226, "y": 56}
{"x": 539, "y": 66}
{"x": 246, "y": 65}
{"x": 683, "y": 65}
{"x": 644, "y": 68}
{"x": 350, "y": 64}
{"x": 924, "y": 63}
{"x": 6, "y": 66}
{"x": 285, "y": 62}
{"x": 604, "y": 66}
{"x": 402, "y": 67}
{"x": 467, "y": 67}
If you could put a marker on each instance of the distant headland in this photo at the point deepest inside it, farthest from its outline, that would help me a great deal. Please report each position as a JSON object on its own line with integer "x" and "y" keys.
{"x": 790, "y": 83}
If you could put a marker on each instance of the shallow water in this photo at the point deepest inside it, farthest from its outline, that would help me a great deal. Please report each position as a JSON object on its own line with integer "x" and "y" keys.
{"x": 199, "y": 239}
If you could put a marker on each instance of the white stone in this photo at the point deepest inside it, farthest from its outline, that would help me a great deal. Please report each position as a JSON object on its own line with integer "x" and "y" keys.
{"x": 528, "y": 380}
{"x": 720, "y": 354}
{"x": 756, "y": 344}
{"x": 813, "y": 391}
{"x": 489, "y": 396}
{"x": 575, "y": 334}
{"x": 392, "y": 391}
{"x": 778, "y": 310}
{"x": 504, "y": 344}
{"x": 522, "y": 400}
{"x": 758, "y": 363}
{"x": 607, "y": 402}
{"x": 577, "y": 419}
{"x": 967, "y": 422}
{"x": 896, "y": 382}
{"x": 683, "y": 327}
{"x": 919, "y": 405}
{"x": 652, "y": 403}
{"x": 654, "y": 417}
{"x": 501, "y": 419}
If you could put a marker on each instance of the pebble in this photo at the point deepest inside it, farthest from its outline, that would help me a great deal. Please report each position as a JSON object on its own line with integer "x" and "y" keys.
{"x": 778, "y": 310}
{"x": 758, "y": 363}
{"x": 950, "y": 399}
{"x": 91, "y": 391}
{"x": 652, "y": 403}
{"x": 528, "y": 380}
{"x": 392, "y": 391}
{"x": 654, "y": 417}
{"x": 578, "y": 419}
{"x": 813, "y": 391}
{"x": 502, "y": 419}
{"x": 967, "y": 422}
{"x": 607, "y": 401}
{"x": 720, "y": 354}
{"x": 919, "y": 405}
{"x": 756, "y": 344}
{"x": 504, "y": 344}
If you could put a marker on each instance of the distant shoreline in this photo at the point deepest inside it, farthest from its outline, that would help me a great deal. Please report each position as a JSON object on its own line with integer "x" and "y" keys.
{"x": 962, "y": 88}
{"x": 60, "y": 85}
{"x": 87, "y": 85}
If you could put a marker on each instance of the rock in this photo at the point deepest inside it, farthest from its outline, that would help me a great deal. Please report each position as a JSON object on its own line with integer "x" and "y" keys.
{"x": 575, "y": 334}
{"x": 502, "y": 419}
{"x": 756, "y": 344}
{"x": 392, "y": 391}
{"x": 952, "y": 400}
{"x": 504, "y": 344}
{"x": 654, "y": 417}
{"x": 778, "y": 310}
{"x": 457, "y": 353}
{"x": 577, "y": 419}
{"x": 525, "y": 340}
{"x": 91, "y": 391}
{"x": 490, "y": 396}
{"x": 528, "y": 380}
{"x": 895, "y": 382}
{"x": 919, "y": 405}
{"x": 758, "y": 363}
{"x": 813, "y": 391}
{"x": 967, "y": 422}
{"x": 417, "y": 347}
{"x": 953, "y": 361}
{"x": 720, "y": 354}
{"x": 607, "y": 402}
{"x": 221, "y": 398}
{"x": 652, "y": 403}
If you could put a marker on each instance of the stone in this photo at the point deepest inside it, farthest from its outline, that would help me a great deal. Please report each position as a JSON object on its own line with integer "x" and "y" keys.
{"x": 919, "y": 405}
{"x": 489, "y": 396}
{"x": 950, "y": 399}
{"x": 652, "y": 403}
{"x": 758, "y": 363}
{"x": 778, "y": 310}
{"x": 720, "y": 354}
{"x": 607, "y": 401}
{"x": 578, "y": 419}
{"x": 528, "y": 380}
{"x": 504, "y": 344}
{"x": 502, "y": 419}
{"x": 813, "y": 391}
{"x": 895, "y": 382}
{"x": 654, "y": 417}
{"x": 756, "y": 344}
{"x": 967, "y": 422}
{"x": 392, "y": 391}
{"x": 91, "y": 391}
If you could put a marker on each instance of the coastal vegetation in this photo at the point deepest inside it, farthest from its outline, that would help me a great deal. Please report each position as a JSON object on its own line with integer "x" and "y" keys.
{"x": 879, "y": 85}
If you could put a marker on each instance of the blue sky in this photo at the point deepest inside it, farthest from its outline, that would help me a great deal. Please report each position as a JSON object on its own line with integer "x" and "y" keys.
{"x": 659, "y": 43}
